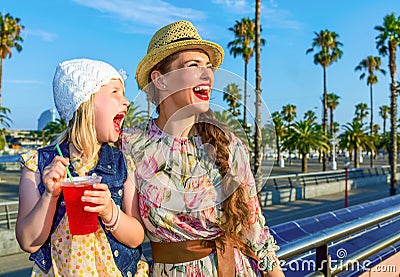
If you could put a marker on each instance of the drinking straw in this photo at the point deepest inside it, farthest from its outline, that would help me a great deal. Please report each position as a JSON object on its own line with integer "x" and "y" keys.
{"x": 60, "y": 153}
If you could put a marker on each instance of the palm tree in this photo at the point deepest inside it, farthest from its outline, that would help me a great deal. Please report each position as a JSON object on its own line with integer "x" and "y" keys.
{"x": 384, "y": 112}
{"x": 257, "y": 132}
{"x": 361, "y": 112}
{"x": 370, "y": 65}
{"x": 232, "y": 96}
{"x": 245, "y": 37}
{"x": 310, "y": 116}
{"x": 354, "y": 138}
{"x": 289, "y": 114}
{"x": 279, "y": 132}
{"x": 133, "y": 116}
{"x": 330, "y": 52}
{"x": 389, "y": 33}
{"x": 305, "y": 136}
{"x": 10, "y": 37}
{"x": 332, "y": 103}
{"x": 4, "y": 119}
{"x": 233, "y": 124}
{"x": 52, "y": 130}
{"x": 268, "y": 138}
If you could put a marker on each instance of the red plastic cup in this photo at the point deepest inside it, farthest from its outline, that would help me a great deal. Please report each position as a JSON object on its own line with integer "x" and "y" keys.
{"x": 80, "y": 221}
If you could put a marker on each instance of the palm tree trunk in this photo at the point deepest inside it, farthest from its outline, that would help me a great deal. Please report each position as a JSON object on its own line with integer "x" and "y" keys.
{"x": 371, "y": 125}
{"x": 304, "y": 166}
{"x": 331, "y": 121}
{"x": 356, "y": 163}
{"x": 384, "y": 125}
{"x": 278, "y": 150}
{"x": 257, "y": 134}
{"x": 393, "y": 114}
{"x": 324, "y": 120}
{"x": 245, "y": 95}
{"x": 1, "y": 81}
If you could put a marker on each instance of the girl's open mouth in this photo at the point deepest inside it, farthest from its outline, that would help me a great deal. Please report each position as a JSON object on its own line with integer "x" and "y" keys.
{"x": 118, "y": 120}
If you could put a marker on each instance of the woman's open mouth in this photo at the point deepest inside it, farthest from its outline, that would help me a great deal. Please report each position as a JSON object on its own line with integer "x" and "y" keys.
{"x": 202, "y": 92}
{"x": 118, "y": 120}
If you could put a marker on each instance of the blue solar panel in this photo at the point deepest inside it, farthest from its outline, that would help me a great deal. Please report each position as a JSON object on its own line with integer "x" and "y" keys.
{"x": 289, "y": 231}
{"x": 278, "y": 238}
{"x": 328, "y": 220}
{"x": 348, "y": 215}
{"x": 310, "y": 225}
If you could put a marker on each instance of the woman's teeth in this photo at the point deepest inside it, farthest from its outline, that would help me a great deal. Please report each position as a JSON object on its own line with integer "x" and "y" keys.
{"x": 201, "y": 89}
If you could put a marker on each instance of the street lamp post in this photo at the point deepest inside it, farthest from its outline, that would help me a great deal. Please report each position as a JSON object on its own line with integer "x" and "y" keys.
{"x": 334, "y": 142}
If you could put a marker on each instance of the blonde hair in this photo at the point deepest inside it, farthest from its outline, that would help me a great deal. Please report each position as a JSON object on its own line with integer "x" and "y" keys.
{"x": 81, "y": 130}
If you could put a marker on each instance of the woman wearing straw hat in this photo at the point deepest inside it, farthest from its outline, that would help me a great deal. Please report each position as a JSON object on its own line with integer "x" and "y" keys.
{"x": 197, "y": 195}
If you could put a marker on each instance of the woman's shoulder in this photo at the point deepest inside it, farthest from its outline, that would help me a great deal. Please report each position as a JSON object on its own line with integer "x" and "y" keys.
{"x": 135, "y": 132}
{"x": 237, "y": 143}
{"x": 137, "y": 138}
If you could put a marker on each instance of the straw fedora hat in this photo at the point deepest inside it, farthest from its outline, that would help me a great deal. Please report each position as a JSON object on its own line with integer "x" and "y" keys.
{"x": 173, "y": 38}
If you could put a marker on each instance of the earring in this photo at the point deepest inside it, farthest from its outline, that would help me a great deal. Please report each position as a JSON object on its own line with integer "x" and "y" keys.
{"x": 164, "y": 86}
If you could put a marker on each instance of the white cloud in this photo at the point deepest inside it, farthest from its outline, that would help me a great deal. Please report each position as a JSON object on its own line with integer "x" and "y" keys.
{"x": 235, "y": 6}
{"x": 44, "y": 35}
{"x": 277, "y": 18}
{"x": 231, "y": 3}
{"x": 143, "y": 13}
{"x": 271, "y": 15}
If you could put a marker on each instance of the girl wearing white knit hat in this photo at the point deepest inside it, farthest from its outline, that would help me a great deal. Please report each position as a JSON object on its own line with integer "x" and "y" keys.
{"x": 89, "y": 96}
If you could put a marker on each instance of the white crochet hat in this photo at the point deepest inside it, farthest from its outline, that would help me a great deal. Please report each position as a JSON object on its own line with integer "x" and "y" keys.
{"x": 76, "y": 80}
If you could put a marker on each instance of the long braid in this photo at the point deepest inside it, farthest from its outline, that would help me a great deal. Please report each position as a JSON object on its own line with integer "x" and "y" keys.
{"x": 235, "y": 205}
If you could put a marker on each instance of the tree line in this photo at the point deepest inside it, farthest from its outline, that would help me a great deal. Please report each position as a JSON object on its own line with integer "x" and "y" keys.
{"x": 303, "y": 135}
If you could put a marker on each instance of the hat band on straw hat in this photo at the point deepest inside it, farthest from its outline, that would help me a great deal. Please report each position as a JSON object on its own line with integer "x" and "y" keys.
{"x": 181, "y": 39}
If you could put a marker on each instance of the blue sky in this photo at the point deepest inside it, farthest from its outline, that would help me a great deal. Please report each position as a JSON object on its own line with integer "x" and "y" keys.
{"x": 118, "y": 31}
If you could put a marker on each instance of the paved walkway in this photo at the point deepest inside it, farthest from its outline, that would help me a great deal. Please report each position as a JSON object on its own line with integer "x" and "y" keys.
{"x": 19, "y": 265}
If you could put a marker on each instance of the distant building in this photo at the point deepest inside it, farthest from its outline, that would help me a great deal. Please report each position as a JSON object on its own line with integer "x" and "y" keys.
{"x": 46, "y": 117}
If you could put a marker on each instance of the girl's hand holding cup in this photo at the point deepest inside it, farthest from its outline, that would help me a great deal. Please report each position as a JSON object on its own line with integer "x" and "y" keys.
{"x": 53, "y": 174}
{"x": 100, "y": 196}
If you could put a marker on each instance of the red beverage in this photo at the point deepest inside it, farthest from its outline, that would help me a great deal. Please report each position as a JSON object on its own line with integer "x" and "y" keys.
{"x": 80, "y": 221}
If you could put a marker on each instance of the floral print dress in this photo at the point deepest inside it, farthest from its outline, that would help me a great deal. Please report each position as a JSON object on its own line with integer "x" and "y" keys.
{"x": 78, "y": 255}
{"x": 180, "y": 198}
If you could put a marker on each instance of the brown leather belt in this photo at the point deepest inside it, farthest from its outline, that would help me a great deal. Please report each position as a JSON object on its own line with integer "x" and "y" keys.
{"x": 190, "y": 250}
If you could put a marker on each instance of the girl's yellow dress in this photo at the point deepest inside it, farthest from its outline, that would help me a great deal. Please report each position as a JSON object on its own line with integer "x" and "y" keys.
{"x": 78, "y": 255}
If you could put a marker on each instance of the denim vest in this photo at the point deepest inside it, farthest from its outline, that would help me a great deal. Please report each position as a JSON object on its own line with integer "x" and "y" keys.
{"x": 112, "y": 168}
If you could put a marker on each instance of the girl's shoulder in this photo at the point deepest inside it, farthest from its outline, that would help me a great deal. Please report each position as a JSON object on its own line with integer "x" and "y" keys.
{"x": 30, "y": 159}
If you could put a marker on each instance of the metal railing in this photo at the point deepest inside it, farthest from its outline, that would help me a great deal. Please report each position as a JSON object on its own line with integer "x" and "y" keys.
{"x": 8, "y": 214}
{"x": 315, "y": 178}
{"x": 319, "y": 241}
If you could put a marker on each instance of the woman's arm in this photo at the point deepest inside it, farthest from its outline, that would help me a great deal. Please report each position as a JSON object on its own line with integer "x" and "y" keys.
{"x": 257, "y": 235}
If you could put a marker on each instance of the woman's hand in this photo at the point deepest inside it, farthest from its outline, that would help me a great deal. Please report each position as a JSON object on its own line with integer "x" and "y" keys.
{"x": 100, "y": 197}
{"x": 53, "y": 174}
